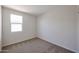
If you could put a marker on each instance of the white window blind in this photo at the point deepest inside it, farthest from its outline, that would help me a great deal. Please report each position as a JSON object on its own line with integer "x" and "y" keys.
{"x": 16, "y": 22}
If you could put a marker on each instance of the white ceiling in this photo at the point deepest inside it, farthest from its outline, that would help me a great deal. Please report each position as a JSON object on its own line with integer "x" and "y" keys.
{"x": 31, "y": 9}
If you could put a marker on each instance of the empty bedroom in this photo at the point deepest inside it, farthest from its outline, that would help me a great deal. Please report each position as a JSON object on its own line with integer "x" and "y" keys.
{"x": 39, "y": 28}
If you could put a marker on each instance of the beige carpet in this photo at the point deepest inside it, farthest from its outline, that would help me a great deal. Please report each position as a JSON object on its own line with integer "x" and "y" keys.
{"x": 35, "y": 45}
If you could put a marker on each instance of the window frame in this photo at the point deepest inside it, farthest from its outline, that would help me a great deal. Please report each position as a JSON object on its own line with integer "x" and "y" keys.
{"x": 16, "y": 30}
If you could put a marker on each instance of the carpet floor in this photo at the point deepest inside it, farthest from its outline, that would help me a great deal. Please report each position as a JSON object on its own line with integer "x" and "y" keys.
{"x": 34, "y": 45}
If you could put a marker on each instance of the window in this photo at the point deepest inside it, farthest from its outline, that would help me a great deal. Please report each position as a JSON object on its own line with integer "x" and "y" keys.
{"x": 16, "y": 23}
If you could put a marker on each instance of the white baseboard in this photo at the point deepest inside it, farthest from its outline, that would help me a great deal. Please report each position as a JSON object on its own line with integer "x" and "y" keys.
{"x": 3, "y": 45}
{"x": 42, "y": 37}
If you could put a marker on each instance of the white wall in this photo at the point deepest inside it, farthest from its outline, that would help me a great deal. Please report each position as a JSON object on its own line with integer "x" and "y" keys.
{"x": 0, "y": 27}
{"x": 58, "y": 26}
{"x": 78, "y": 32}
{"x": 29, "y": 27}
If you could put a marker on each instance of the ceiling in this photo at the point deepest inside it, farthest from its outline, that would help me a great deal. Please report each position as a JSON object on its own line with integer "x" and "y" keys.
{"x": 31, "y": 9}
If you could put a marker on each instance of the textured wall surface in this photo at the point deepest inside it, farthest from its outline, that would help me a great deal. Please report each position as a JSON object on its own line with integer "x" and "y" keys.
{"x": 58, "y": 26}
{"x": 29, "y": 27}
